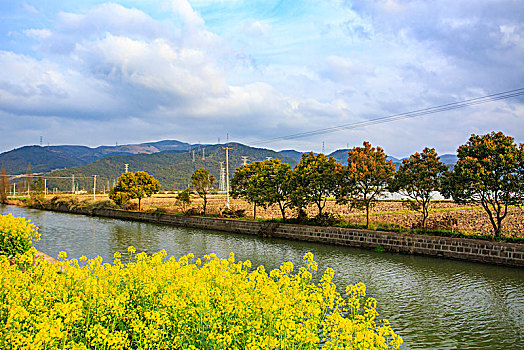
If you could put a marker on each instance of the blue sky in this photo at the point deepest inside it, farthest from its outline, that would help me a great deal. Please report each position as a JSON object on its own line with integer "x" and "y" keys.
{"x": 97, "y": 72}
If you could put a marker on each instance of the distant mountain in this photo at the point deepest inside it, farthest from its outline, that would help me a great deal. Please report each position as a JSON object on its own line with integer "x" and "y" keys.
{"x": 340, "y": 155}
{"x": 449, "y": 159}
{"x": 48, "y": 158}
{"x": 42, "y": 160}
{"x": 291, "y": 153}
{"x": 172, "y": 168}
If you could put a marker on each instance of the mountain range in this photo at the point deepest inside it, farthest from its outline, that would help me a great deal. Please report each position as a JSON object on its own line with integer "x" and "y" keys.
{"x": 171, "y": 162}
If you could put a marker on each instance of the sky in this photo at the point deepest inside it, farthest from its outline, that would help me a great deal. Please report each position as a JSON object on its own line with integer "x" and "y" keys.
{"x": 100, "y": 73}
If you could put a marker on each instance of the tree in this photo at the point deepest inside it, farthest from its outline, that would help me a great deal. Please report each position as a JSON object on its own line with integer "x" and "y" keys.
{"x": 183, "y": 199}
{"x": 4, "y": 186}
{"x": 202, "y": 181}
{"x": 418, "y": 177}
{"x": 273, "y": 179}
{"x": 489, "y": 170}
{"x": 313, "y": 180}
{"x": 244, "y": 185}
{"x": 367, "y": 176}
{"x": 134, "y": 186}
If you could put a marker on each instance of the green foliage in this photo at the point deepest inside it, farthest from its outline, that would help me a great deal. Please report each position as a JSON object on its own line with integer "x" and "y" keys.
{"x": 313, "y": 180}
{"x": 134, "y": 186}
{"x": 263, "y": 183}
{"x": 16, "y": 235}
{"x": 365, "y": 178}
{"x": 202, "y": 182}
{"x": 490, "y": 170}
{"x": 120, "y": 198}
{"x": 244, "y": 184}
{"x": 418, "y": 177}
{"x": 232, "y": 213}
{"x": 183, "y": 199}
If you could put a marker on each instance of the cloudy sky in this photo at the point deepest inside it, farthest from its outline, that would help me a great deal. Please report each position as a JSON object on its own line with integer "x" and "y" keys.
{"x": 96, "y": 73}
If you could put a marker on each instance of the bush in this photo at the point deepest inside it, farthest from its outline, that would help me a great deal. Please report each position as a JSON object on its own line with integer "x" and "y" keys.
{"x": 231, "y": 213}
{"x": 158, "y": 303}
{"x": 16, "y": 235}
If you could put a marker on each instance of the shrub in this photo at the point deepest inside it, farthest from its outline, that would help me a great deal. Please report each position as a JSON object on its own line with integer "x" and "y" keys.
{"x": 232, "y": 213}
{"x": 16, "y": 235}
{"x": 158, "y": 303}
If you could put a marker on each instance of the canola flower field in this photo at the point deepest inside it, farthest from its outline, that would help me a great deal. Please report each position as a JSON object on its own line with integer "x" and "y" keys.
{"x": 156, "y": 302}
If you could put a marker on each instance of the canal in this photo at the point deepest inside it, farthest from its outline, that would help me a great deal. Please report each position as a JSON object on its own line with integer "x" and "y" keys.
{"x": 432, "y": 303}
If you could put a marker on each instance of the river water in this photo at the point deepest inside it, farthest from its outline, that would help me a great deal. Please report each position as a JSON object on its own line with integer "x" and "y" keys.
{"x": 432, "y": 303}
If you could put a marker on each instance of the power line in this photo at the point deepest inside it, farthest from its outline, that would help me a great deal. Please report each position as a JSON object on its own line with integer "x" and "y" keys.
{"x": 417, "y": 113}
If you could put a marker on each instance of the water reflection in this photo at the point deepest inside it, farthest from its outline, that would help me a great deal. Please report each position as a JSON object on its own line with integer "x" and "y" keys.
{"x": 432, "y": 303}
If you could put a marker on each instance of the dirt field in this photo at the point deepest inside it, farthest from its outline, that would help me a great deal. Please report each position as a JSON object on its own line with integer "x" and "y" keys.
{"x": 444, "y": 214}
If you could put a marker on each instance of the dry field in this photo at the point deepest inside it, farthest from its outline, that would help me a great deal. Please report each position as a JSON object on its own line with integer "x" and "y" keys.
{"x": 471, "y": 218}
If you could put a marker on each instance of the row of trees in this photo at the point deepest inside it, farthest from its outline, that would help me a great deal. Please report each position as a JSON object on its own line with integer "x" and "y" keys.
{"x": 490, "y": 170}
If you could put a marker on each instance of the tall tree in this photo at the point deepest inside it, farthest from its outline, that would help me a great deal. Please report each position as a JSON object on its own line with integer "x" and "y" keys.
{"x": 4, "y": 186}
{"x": 134, "y": 186}
{"x": 489, "y": 170}
{"x": 202, "y": 182}
{"x": 313, "y": 180}
{"x": 273, "y": 179}
{"x": 368, "y": 175}
{"x": 418, "y": 177}
{"x": 244, "y": 185}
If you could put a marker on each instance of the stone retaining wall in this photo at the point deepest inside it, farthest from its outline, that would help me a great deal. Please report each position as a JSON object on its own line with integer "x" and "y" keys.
{"x": 502, "y": 253}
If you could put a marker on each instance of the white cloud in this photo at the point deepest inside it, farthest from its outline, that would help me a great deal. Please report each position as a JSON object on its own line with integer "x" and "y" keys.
{"x": 318, "y": 65}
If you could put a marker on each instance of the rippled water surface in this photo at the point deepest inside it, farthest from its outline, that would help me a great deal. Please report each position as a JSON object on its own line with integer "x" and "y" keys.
{"x": 432, "y": 303}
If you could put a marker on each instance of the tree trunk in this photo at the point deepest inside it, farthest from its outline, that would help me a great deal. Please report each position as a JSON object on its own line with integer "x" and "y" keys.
{"x": 367, "y": 215}
{"x": 283, "y": 211}
{"x": 139, "y": 203}
{"x": 425, "y": 215}
{"x": 205, "y": 204}
{"x": 254, "y": 211}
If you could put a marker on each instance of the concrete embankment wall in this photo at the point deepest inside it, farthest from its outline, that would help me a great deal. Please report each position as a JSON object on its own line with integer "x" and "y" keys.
{"x": 502, "y": 253}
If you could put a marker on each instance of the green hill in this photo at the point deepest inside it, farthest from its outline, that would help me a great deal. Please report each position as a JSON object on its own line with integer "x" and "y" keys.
{"x": 172, "y": 168}
{"x": 48, "y": 158}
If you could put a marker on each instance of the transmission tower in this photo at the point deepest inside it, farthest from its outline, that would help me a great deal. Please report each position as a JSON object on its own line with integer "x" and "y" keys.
{"x": 244, "y": 160}
{"x": 126, "y": 166}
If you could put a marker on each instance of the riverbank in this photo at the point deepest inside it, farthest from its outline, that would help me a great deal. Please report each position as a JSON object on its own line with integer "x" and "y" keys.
{"x": 499, "y": 253}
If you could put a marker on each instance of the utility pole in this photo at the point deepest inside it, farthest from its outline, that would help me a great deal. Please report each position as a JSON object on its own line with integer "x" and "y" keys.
{"x": 323, "y": 149}
{"x": 244, "y": 160}
{"x": 203, "y": 155}
{"x": 227, "y": 176}
{"x": 73, "y": 187}
{"x": 222, "y": 177}
{"x": 126, "y": 166}
{"x": 45, "y": 188}
{"x": 94, "y": 187}
{"x": 14, "y": 188}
